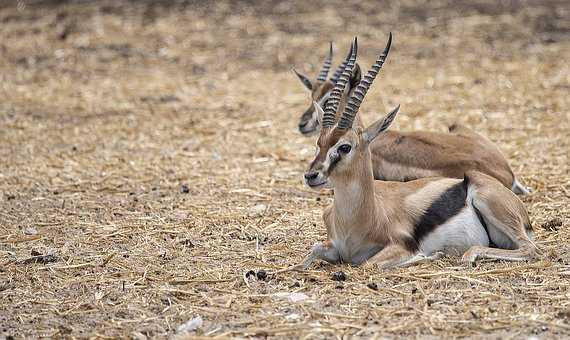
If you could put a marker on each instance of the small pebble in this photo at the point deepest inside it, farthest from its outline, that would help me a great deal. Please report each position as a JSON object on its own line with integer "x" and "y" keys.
{"x": 372, "y": 285}
{"x": 259, "y": 209}
{"x": 30, "y": 231}
{"x": 339, "y": 276}
{"x": 261, "y": 275}
{"x": 184, "y": 189}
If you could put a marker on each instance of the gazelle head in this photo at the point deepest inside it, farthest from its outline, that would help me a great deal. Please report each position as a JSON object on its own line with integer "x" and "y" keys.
{"x": 320, "y": 90}
{"x": 341, "y": 149}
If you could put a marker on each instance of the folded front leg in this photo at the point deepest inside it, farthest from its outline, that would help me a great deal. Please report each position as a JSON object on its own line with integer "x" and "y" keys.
{"x": 395, "y": 255}
{"x": 322, "y": 251}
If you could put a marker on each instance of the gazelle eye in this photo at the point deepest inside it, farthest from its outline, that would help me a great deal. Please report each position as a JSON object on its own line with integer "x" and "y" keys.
{"x": 323, "y": 100}
{"x": 345, "y": 148}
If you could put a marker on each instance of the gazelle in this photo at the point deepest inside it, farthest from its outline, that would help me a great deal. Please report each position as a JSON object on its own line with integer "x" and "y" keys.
{"x": 404, "y": 156}
{"x": 320, "y": 90}
{"x": 393, "y": 223}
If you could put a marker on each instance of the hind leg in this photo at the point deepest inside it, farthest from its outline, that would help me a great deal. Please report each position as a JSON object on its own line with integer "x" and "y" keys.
{"x": 523, "y": 253}
{"x": 506, "y": 220}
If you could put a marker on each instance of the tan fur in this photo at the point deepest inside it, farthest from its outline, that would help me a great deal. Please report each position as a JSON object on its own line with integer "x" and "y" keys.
{"x": 421, "y": 154}
{"x": 320, "y": 89}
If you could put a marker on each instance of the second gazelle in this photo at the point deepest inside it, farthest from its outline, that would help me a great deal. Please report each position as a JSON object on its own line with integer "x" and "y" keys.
{"x": 393, "y": 223}
{"x": 404, "y": 156}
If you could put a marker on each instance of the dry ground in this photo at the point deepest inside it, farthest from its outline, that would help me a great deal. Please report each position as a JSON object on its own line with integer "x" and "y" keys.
{"x": 149, "y": 158}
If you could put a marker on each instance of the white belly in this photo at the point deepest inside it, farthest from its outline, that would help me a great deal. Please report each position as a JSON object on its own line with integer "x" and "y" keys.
{"x": 457, "y": 235}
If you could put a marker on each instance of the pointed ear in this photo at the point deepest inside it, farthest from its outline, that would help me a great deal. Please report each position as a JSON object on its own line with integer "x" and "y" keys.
{"x": 319, "y": 112}
{"x": 381, "y": 125}
{"x": 355, "y": 76}
{"x": 304, "y": 80}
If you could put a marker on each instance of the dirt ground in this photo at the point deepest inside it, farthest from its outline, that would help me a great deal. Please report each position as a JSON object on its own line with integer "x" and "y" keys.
{"x": 149, "y": 159}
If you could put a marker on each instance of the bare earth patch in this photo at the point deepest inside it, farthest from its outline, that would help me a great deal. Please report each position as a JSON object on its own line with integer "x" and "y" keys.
{"x": 151, "y": 171}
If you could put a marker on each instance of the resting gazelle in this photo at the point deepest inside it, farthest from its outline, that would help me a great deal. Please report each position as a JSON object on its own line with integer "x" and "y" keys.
{"x": 392, "y": 224}
{"x": 404, "y": 156}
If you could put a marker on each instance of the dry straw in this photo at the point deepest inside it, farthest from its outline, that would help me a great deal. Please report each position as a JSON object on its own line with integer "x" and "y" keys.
{"x": 150, "y": 167}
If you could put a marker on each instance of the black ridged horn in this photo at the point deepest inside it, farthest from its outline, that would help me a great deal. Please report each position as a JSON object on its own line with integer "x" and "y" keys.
{"x": 351, "y": 109}
{"x": 329, "y": 118}
{"x": 326, "y": 65}
{"x": 341, "y": 67}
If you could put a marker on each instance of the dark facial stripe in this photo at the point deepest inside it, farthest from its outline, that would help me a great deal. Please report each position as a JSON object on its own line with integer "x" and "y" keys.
{"x": 327, "y": 139}
{"x": 441, "y": 210}
{"x": 334, "y": 162}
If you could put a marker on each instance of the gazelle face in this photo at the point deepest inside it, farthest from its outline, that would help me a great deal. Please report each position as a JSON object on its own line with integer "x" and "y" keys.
{"x": 343, "y": 152}
{"x": 336, "y": 149}
{"x": 309, "y": 122}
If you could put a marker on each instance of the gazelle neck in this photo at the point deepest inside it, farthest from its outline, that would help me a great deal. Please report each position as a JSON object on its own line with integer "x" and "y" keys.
{"x": 354, "y": 197}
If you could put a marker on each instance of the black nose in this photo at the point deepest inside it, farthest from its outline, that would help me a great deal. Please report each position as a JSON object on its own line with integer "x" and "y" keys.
{"x": 303, "y": 124}
{"x": 311, "y": 175}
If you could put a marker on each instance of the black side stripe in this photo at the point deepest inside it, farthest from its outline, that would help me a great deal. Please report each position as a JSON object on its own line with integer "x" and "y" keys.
{"x": 449, "y": 204}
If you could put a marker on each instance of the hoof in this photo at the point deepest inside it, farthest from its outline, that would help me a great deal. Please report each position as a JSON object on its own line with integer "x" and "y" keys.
{"x": 471, "y": 256}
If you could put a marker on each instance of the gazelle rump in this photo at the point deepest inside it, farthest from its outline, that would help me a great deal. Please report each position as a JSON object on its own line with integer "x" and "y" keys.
{"x": 404, "y": 156}
{"x": 398, "y": 223}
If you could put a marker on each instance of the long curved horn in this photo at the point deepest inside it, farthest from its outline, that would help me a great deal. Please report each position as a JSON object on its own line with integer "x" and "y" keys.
{"x": 341, "y": 67}
{"x": 357, "y": 97}
{"x": 329, "y": 118}
{"x": 326, "y": 65}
